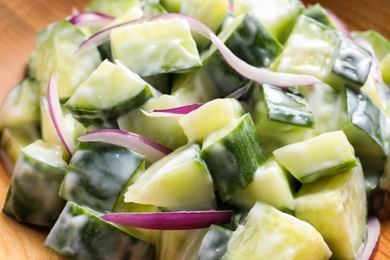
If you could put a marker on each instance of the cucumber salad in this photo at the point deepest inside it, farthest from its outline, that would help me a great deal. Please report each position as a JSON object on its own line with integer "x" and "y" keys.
{"x": 194, "y": 129}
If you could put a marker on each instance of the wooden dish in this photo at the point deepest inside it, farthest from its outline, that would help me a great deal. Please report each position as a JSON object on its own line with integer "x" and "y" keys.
{"x": 20, "y": 20}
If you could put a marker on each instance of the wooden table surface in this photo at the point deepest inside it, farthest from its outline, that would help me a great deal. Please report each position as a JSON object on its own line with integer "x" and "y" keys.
{"x": 20, "y": 20}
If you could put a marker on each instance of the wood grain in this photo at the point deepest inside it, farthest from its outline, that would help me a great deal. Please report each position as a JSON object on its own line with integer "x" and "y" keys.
{"x": 20, "y": 20}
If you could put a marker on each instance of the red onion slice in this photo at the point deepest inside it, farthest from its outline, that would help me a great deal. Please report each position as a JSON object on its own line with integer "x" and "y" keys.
{"x": 372, "y": 243}
{"x": 179, "y": 220}
{"x": 91, "y": 19}
{"x": 137, "y": 143}
{"x": 57, "y": 116}
{"x": 260, "y": 75}
{"x": 175, "y": 111}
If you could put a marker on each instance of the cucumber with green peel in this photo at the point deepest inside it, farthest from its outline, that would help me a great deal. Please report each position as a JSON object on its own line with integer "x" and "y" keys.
{"x": 122, "y": 90}
{"x": 194, "y": 87}
{"x": 272, "y": 185}
{"x": 320, "y": 14}
{"x": 385, "y": 68}
{"x": 54, "y": 43}
{"x": 281, "y": 117}
{"x": 277, "y": 16}
{"x": 171, "y": 50}
{"x": 163, "y": 130}
{"x": 21, "y": 105}
{"x": 98, "y": 173}
{"x": 79, "y": 233}
{"x": 311, "y": 49}
{"x": 351, "y": 67}
{"x": 111, "y": 7}
{"x": 172, "y": 6}
{"x": 249, "y": 41}
{"x": 13, "y": 140}
{"x": 379, "y": 43}
{"x": 324, "y": 155}
{"x": 32, "y": 197}
{"x": 271, "y": 234}
{"x": 214, "y": 243}
{"x": 210, "y": 117}
{"x": 233, "y": 154}
{"x": 180, "y": 244}
{"x": 174, "y": 182}
{"x": 341, "y": 215}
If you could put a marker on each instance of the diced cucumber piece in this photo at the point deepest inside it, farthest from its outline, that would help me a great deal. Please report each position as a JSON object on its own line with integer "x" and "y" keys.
{"x": 21, "y": 105}
{"x": 211, "y": 13}
{"x": 336, "y": 206}
{"x": 324, "y": 155}
{"x": 351, "y": 67}
{"x": 13, "y": 140}
{"x": 311, "y": 49}
{"x": 79, "y": 233}
{"x": 172, "y": 6}
{"x": 53, "y": 47}
{"x": 163, "y": 130}
{"x": 281, "y": 117}
{"x": 385, "y": 68}
{"x": 98, "y": 173}
{"x": 33, "y": 194}
{"x": 194, "y": 87}
{"x": 318, "y": 13}
{"x": 233, "y": 154}
{"x": 32, "y": 68}
{"x": 249, "y": 41}
{"x": 167, "y": 42}
{"x": 153, "y": 7}
{"x": 210, "y": 117}
{"x": 110, "y": 91}
{"x": 272, "y": 234}
{"x": 133, "y": 13}
{"x": 272, "y": 185}
{"x": 180, "y": 244}
{"x": 326, "y": 104}
{"x": 214, "y": 243}
{"x": 115, "y": 8}
{"x": 379, "y": 42}
{"x": 277, "y": 16}
{"x": 49, "y": 133}
{"x": 174, "y": 182}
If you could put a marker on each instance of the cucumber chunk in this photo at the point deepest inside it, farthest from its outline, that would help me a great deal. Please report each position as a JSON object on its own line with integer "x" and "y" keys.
{"x": 214, "y": 243}
{"x": 110, "y": 91}
{"x": 111, "y": 7}
{"x": 318, "y": 13}
{"x": 21, "y": 105}
{"x": 169, "y": 44}
{"x": 277, "y": 16}
{"x": 249, "y": 41}
{"x": 53, "y": 47}
{"x": 324, "y": 155}
{"x": 79, "y": 233}
{"x": 33, "y": 194}
{"x": 97, "y": 174}
{"x": 310, "y": 49}
{"x": 164, "y": 130}
{"x": 210, "y": 117}
{"x": 272, "y": 185}
{"x": 233, "y": 154}
{"x": 336, "y": 206}
{"x": 272, "y": 234}
{"x": 13, "y": 140}
{"x": 174, "y": 182}
{"x": 281, "y": 117}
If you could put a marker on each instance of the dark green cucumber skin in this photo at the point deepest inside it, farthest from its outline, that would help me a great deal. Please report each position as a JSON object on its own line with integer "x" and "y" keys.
{"x": 214, "y": 243}
{"x": 80, "y": 234}
{"x": 233, "y": 168}
{"x": 29, "y": 207}
{"x": 99, "y": 168}
{"x": 107, "y": 118}
{"x": 281, "y": 111}
{"x": 250, "y": 42}
{"x": 365, "y": 129}
{"x": 318, "y": 13}
{"x": 351, "y": 67}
